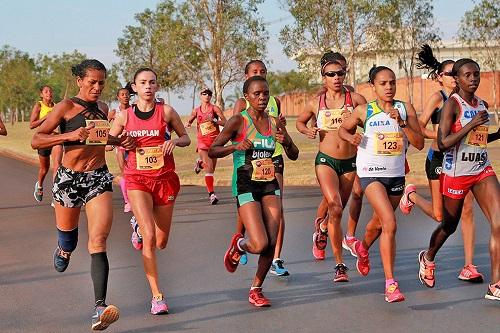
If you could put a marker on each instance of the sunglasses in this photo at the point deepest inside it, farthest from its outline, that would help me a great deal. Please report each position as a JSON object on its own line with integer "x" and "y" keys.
{"x": 206, "y": 93}
{"x": 447, "y": 73}
{"x": 335, "y": 73}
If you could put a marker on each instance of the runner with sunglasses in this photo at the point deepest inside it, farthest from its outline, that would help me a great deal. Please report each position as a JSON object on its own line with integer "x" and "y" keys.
{"x": 254, "y": 134}
{"x": 208, "y": 118}
{"x": 463, "y": 137}
{"x": 388, "y": 126}
{"x": 335, "y": 162}
{"x": 258, "y": 68}
{"x": 441, "y": 72}
{"x": 320, "y": 236}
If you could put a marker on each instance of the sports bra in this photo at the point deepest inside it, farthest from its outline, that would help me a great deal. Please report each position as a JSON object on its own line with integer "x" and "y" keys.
{"x": 436, "y": 115}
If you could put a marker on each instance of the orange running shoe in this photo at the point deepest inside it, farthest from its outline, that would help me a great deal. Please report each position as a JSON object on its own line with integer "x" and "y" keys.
{"x": 405, "y": 204}
{"x": 320, "y": 240}
{"x": 426, "y": 271}
{"x": 233, "y": 254}
{"x": 470, "y": 274}
{"x": 348, "y": 244}
{"x": 363, "y": 260}
{"x": 257, "y": 298}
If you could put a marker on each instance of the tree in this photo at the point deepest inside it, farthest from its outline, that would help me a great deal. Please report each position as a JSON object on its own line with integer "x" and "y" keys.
{"x": 327, "y": 25}
{"x": 402, "y": 26}
{"x": 288, "y": 82}
{"x": 480, "y": 29}
{"x": 225, "y": 35}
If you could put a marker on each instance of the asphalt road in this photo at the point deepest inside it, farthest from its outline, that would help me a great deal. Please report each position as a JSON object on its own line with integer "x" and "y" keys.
{"x": 203, "y": 297}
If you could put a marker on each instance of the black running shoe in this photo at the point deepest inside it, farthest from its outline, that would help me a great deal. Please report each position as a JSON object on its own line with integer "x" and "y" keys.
{"x": 61, "y": 259}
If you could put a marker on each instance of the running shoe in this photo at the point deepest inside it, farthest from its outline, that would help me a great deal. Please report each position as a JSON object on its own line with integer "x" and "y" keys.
{"x": 393, "y": 294}
{"x": 277, "y": 268}
{"x": 38, "y": 193}
{"x": 127, "y": 208}
{"x": 493, "y": 292}
{"x": 405, "y": 204}
{"x": 320, "y": 239}
{"x": 159, "y": 305}
{"x": 426, "y": 271}
{"x": 257, "y": 298}
{"x": 363, "y": 260}
{"x": 244, "y": 259}
{"x": 136, "y": 238}
{"x": 52, "y": 204}
{"x": 470, "y": 274}
{"x": 341, "y": 273}
{"x": 61, "y": 259}
{"x": 198, "y": 166}
{"x": 104, "y": 316}
{"x": 233, "y": 254}
{"x": 348, "y": 244}
{"x": 213, "y": 199}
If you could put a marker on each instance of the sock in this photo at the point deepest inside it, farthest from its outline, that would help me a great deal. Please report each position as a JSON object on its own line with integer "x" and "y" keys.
{"x": 209, "y": 180}
{"x": 321, "y": 225}
{"x": 67, "y": 240}
{"x": 252, "y": 288}
{"x": 158, "y": 297}
{"x": 124, "y": 190}
{"x": 349, "y": 237}
{"x": 99, "y": 270}
{"x": 238, "y": 244}
{"x": 389, "y": 282}
{"x": 427, "y": 260}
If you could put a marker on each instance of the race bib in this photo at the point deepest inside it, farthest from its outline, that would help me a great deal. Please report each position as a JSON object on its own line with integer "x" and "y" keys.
{"x": 331, "y": 119}
{"x": 207, "y": 127}
{"x": 98, "y": 135}
{"x": 263, "y": 170}
{"x": 149, "y": 158}
{"x": 478, "y": 137}
{"x": 389, "y": 143}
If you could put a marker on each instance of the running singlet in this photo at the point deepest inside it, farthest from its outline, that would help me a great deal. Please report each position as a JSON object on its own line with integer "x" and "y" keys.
{"x": 44, "y": 110}
{"x": 254, "y": 166}
{"x": 382, "y": 150}
{"x": 331, "y": 119}
{"x": 436, "y": 115}
{"x": 273, "y": 110}
{"x": 469, "y": 156}
{"x": 147, "y": 159}
{"x": 206, "y": 126}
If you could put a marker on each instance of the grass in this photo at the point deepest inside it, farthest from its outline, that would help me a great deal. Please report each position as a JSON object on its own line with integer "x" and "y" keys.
{"x": 299, "y": 172}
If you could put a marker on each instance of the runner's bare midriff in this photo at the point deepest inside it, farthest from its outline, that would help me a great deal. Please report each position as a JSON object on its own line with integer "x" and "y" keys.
{"x": 333, "y": 146}
{"x": 84, "y": 158}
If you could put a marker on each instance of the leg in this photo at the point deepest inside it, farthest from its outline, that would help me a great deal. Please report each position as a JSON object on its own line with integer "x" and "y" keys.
{"x": 43, "y": 169}
{"x": 208, "y": 166}
{"x": 281, "y": 231}
{"x": 468, "y": 229}
{"x": 354, "y": 207}
{"x": 432, "y": 209}
{"x": 322, "y": 212}
{"x": 57, "y": 153}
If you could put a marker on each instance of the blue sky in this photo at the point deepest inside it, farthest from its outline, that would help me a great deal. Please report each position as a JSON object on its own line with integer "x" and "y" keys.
{"x": 93, "y": 26}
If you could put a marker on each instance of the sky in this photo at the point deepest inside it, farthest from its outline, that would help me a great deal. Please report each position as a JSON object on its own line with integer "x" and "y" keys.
{"x": 94, "y": 26}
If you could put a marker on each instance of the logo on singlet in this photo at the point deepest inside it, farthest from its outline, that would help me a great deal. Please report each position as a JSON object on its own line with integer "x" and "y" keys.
{"x": 142, "y": 133}
{"x": 448, "y": 161}
{"x": 438, "y": 170}
{"x": 456, "y": 192}
{"x": 475, "y": 157}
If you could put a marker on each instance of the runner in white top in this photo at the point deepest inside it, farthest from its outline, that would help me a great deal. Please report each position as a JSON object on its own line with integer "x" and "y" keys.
{"x": 388, "y": 127}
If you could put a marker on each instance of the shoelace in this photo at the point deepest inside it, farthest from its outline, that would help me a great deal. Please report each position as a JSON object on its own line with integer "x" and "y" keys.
{"x": 64, "y": 254}
{"x": 279, "y": 263}
{"x": 392, "y": 288}
{"x": 341, "y": 268}
{"x": 259, "y": 296}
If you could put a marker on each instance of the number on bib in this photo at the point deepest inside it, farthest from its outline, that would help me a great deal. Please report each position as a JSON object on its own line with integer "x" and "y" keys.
{"x": 331, "y": 119}
{"x": 389, "y": 143}
{"x": 478, "y": 137}
{"x": 98, "y": 135}
{"x": 149, "y": 158}
{"x": 207, "y": 127}
{"x": 263, "y": 170}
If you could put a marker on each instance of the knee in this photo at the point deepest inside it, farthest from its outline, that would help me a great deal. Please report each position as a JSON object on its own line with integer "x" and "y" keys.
{"x": 257, "y": 245}
{"x": 335, "y": 210}
{"x": 449, "y": 227}
{"x": 161, "y": 244}
{"x": 98, "y": 242}
{"x": 438, "y": 216}
{"x": 390, "y": 227}
{"x": 67, "y": 240}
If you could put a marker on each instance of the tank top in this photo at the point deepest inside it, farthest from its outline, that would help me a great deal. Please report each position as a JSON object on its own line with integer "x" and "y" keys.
{"x": 254, "y": 165}
{"x": 331, "y": 119}
{"x": 205, "y": 122}
{"x": 44, "y": 110}
{"x": 469, "y": 156}
{"x": 147, "y": 159}
{"x": 272, "y": 110}
{"x": 382, "y": 151}
{"x": 436, "y": 115}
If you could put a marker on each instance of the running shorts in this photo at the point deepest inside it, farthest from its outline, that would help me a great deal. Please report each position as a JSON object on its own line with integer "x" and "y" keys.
{"x": 458, "y": 187}
{"x": 74, "y": 189}
{"x": 204, "y": 143}
{"x": 279, "y": 164}
{"x": 163, "y": 189}
{"x": 434, "y": 164}
{"x": 393, "y": 185}
{"x": 339, "y": 166}
{"x": 45, "y": 152}
{"x": 245, "y": 198}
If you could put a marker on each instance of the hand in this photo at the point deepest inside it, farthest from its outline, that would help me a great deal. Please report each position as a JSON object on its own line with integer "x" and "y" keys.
{"x": 127, "y": 142}
{"x": 311, "y": 132}
{"x": 80, "y": 134}
{"x": 356, "y": 139}
{"x": 244, "y": 145}
{"x": 187, "y": 125}
{"x": 282, "y": 138}
{"x": 480, "y": 118}
{"x": 282, "y": 121}
{"x": 168, "y": 146}
{"x": 394, "y": 114}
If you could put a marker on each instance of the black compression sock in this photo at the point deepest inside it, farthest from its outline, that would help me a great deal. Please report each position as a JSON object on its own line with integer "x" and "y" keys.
{"x": 99, "y": 270}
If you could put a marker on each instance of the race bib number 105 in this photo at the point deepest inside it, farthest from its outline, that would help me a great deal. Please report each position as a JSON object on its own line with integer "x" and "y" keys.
{"x": 98, "y": 135}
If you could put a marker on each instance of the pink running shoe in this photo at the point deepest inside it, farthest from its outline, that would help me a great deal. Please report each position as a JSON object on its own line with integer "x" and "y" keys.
{"x": 341, "y": 273}
{"x": 348, "y": 244}
{"x": 393, "y": 294}
{"x": 470, "y": 274}
{"x": 426, "y": 271}
{"x": 363, "y": 260}
{"x": 257, "y": 298}
{"x": 493, "y": 292}
{"x": 136, "y": 238}
{"x": 405, "y": 204}
{"x": 159, "y": 305}
{"x": 198, "y": 166}
{"x": 233, "y": 254}
{"x": 320, "y": 240}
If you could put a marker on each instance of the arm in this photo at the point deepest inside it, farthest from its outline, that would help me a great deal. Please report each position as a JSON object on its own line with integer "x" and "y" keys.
{"x": 35, "y": 120}
{"x": 220, "y": 115}
{"x": 3, "y": 129}
{"x": 111, "y": 115}
{"x": 491, "y": 137}
{"x": 218, "y": 148}
{"x": 347, "y": 131}
{"x": 291, "y": 150}
{"x": 117, "y": 137}
{"x": 358, "y": 99}
{"x": 191, "y": 118}
{"x": 303, "y": 119}
{"x": 174, "y": 121}
{"x": 426, "y": 114}
{"x": 239, "y": 106}
{"x": 412, "y": 129}
{"x": 445, "y": 138}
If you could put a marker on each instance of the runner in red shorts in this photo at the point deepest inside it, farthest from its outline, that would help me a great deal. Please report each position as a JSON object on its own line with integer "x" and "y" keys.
{"x": 208, "y": 118}
{"x": 151, "y": 181}
{"x": 463, "y": 137}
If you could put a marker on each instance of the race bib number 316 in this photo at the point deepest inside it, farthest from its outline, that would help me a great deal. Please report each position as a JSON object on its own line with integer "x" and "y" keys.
{"x": 331, "y": 119}
{"x": 98, "y": 135}
{"x": 149, "y": 158}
